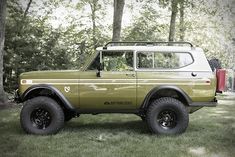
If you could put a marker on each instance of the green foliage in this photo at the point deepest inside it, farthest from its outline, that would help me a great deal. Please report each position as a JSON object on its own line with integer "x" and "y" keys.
{"x": 145, "y": 27}
{"x": 33, "y": 43}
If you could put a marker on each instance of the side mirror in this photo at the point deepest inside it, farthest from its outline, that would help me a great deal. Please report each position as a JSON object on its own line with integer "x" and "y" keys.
{"x": 99, "y": 68}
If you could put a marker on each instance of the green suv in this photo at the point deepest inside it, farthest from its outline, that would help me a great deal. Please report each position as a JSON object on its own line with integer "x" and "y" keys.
{"x": 161, "y": 82}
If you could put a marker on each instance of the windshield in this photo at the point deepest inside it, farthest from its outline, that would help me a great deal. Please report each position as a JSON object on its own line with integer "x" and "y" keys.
{"x": 88, "y": 61}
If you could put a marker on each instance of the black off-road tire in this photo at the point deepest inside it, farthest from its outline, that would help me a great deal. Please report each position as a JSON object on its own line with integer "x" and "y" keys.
{"x": 167, "y": 116}
{"x": 41, "y": 115}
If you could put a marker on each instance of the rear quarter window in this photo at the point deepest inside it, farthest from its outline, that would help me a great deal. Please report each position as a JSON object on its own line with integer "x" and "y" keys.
{"x": 163, "y": 60}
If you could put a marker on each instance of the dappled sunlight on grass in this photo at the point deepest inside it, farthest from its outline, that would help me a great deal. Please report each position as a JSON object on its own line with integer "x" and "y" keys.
{"x": 198, "y": 151}
{"x": 227, "y": 102}
{"x": 202, "y": 152}
{"x": 219, "y": 112}
{"x": 214, "y": 114}
{"x": 229, "y": 117}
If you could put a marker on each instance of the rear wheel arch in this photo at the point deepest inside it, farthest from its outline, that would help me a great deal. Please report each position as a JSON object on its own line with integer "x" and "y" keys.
{"x": 166, "y": 91}
{"x": 49, "y": 91}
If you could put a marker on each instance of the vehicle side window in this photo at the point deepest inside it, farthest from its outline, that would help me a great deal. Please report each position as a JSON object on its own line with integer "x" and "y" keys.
{"x": 94, "y": 65}
{"x": 163, "y": 60}
{"x": 145, "y": 60}
{"x": 117, "y": 60}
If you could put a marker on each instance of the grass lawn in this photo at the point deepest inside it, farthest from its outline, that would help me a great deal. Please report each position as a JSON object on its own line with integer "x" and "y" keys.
{"x": 211, "y": 133}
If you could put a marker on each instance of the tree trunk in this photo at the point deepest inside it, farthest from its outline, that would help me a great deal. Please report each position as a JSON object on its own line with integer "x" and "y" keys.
{"x": 93, "y": 6}
{"x": 2, "y": 39}
{"x": 173, "y": 18}
{"x": 117, "y": 19}
{"x": 182, "y": 26}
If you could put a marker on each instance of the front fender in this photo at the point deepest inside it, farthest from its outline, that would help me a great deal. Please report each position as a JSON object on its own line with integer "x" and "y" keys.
{"x": 34, "y": 88}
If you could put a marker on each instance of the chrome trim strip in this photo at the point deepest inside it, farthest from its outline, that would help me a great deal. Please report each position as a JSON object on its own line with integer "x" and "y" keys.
{"x": 111, "y": 82}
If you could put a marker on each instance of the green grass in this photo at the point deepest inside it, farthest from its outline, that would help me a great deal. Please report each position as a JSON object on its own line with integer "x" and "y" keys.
{"x": 211, "y": 133}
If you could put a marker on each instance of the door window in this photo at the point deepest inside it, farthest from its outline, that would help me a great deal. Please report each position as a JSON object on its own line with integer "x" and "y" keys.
{"x": 117, "y": 60}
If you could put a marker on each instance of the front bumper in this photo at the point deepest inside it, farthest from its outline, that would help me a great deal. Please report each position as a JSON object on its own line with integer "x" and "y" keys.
{"x": 17, "y": 97}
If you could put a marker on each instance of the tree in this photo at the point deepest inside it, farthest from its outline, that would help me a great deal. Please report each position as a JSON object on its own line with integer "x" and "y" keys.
{"x": 2, "y": 39}
{"x": 27, "y": 8}
{"x": 117, "y": 19}
{"x": 36, "y": 45}
{"x": 92, "y": 31}
{"x": 146, "y": 27}
{"x": 94, "y": 7}
{"x": 174, "y": 10}
{"x": 182, "y": 25}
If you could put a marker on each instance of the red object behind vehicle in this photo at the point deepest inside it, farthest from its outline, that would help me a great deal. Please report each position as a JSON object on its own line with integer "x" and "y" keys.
{"x": 221, "y": 78}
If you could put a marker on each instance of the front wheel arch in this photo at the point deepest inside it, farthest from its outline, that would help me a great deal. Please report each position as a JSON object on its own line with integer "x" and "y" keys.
{"x": 49, "y": 91}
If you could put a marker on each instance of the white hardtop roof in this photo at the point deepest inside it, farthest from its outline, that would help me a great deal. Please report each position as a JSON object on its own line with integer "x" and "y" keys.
{"x": 152, "y": 48}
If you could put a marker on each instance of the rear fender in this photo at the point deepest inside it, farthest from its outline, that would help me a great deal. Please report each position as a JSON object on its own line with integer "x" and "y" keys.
{"x": 156, "y": 90}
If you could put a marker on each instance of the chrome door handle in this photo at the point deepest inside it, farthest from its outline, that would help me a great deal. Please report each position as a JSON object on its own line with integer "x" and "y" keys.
{"x": 130, "y": 75}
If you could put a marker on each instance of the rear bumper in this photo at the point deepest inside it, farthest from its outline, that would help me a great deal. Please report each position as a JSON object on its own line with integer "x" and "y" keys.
{"x": 204, "y": 104}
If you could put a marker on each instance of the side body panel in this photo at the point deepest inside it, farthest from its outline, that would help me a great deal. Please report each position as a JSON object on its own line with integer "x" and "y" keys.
{"x": 199, "y": 88}
{"x": 111, "y": 91}
{"x": 65, "y": 81}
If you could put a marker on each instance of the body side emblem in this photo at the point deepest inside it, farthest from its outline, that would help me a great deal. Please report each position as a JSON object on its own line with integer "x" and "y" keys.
{"x": 67, "y": 89}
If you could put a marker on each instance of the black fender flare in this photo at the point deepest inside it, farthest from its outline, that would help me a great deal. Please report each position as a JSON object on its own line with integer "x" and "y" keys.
{"x": 54, "y": 90}
{"x": 157, "y": 89}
